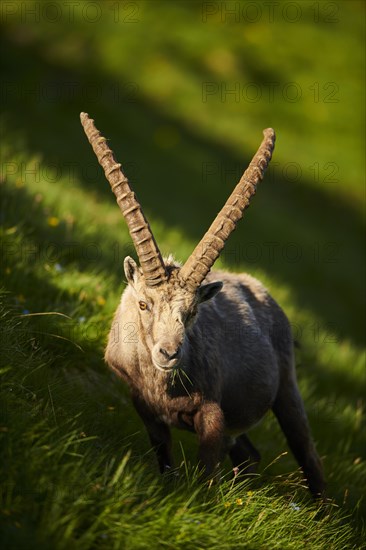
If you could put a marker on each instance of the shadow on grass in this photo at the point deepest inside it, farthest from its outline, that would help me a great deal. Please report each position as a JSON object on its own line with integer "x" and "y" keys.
{"x": 106, "y": 411}
{"x": 24, "y": 278}
{"x": 294, "y": 235}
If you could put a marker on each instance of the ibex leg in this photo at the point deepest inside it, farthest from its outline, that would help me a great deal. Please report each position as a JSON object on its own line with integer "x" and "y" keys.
{"x": 159, "y": 435}
{"x": 244, "y": 456}
{"x": 290, "y": 412}
{"x": 209, "y": 426}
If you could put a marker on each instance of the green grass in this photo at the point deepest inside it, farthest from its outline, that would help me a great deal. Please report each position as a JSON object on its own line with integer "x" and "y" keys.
{"x": 76, "y": 468}
{"x": 74, "y": 474}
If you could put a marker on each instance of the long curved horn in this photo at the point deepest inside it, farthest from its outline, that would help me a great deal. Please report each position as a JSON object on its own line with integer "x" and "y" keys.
{"x": 208, "y": 250}
{"x": 151, "y": 262}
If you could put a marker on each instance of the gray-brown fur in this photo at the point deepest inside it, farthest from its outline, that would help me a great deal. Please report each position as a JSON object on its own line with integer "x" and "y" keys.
{"x": 211, "y": 353}
{"x": 236, "y": 362}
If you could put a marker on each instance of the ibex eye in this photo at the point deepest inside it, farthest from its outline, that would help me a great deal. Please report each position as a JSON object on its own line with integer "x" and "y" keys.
{"x": 143, "y": 305}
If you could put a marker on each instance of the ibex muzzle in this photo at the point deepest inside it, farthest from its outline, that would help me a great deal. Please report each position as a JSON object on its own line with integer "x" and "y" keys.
{"x": 213, "y": 350}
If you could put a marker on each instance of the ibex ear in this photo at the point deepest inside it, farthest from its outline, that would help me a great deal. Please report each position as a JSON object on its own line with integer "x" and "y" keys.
{"x": 131, "y": 270}
{"x": 206, "y": 292}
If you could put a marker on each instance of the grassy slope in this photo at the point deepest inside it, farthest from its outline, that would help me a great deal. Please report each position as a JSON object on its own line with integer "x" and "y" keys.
{"x": 67, "y": 424}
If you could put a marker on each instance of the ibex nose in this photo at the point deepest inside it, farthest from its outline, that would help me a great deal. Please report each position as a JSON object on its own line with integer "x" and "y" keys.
{"x": 170, "y": 354}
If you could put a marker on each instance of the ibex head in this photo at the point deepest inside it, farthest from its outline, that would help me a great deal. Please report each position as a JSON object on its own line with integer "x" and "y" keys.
{"x": 164, "y": 313}
{"x": 162, "y": 296}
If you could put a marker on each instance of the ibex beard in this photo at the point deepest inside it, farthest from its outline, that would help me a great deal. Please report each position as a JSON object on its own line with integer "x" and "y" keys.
{"x": 213, "y": 351}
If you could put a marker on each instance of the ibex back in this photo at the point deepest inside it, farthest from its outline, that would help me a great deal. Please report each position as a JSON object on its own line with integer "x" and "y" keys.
{"x": 213, "y": 352}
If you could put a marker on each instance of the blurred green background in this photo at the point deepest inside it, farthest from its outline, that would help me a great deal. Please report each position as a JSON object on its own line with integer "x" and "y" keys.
{"x": 183, "y": 90}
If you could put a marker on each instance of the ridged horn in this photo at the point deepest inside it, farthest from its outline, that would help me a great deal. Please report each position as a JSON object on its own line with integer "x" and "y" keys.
{"x": 208, "y": 250}
{"x": 151, "y": 262}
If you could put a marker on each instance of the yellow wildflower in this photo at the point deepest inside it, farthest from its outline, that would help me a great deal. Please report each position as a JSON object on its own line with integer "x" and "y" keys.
{"x": 100, "y": 300}
{"x": 53, "y": 221}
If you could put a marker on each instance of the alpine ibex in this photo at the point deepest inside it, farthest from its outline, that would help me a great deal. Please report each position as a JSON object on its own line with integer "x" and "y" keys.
{"x": 214, "y": 351}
